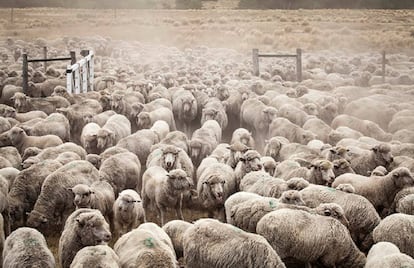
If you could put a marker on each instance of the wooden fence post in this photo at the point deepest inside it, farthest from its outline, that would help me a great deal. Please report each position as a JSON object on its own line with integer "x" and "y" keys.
{"x": 383, "y": 66}
{"x": 299, "y": 64}
{"x": 73, "y": 57}
{"x": 255, "y": 54}
{"x": 45, "y": 57}
{"x": 25, "y": 73}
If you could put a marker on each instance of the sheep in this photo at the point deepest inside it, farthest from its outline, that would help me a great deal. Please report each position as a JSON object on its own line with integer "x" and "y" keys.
{"x": 342, "y": 132}
{"x": 4, "y": 125}
{"x": 151, "y": 106}
{"x": 53, "y": 152}
{"x": 274, "y": 145}
{"x": 11, "y": 155}
{"x": 237, "y": 150}
{"x": 161, "y": 128}
{"x": 54, "y": 124}
{"x": 84, "y": 227}
{"x": 147, "y": 246}
{"x": 67, "y": 157}
{"x": 184, "y": 109}
{"x": 221, "y": 153}
{"x": 379, "y": 171}
{"x": 96, "y": 256}
{"x": 262, "y": 183}
{"x": 269, "y": 164}
{"x": 204, "y": 140}
{"x": 379, "y": 155}
{"x": 379, "y": 190}
{"x": 341, "y": 166}
{"x": 293, "y": 114}
{"x": 94, "y": 159}
{"x": 257, "y": 116}
{"x": 27, "y": 247}
{"x": 337, "y": 152}
{"x": 45, "y": 88}
{"x": 102, "y": 118}
{"x": 319, "y": 128}
{"x": 283, "y": 127}
{"x": 10, "y": 174}
{"x": 237, "y": 198}
{"x": 88, "y": 138}
{"x": 120, "y": 105}
{"x": 121, "y": 171}
{"x": 320, "y": 172}
{"x": 405, "y": 205}
{"x": 175, "y": 230}
{"x": 128, "y": 212}
{"x": 23, "y": 103}
{"x": 249, "y": 161}
{"x": 55, "y": 202}
{"x": 244, "y": 136}
{"x": 147, "y": 119}
{"x": 5, "y": 140}
{"x": 366, "y": 127}
{"x": 387, "y": 255}
{"x": 398, "y": 229}
{"x": 206, "y": 244}
{"x": 164, "y": 189}
{"x": 362, "y": 216}
{"x": 116, "y": 128}
{"x": 285, "y": 229}
{"x": 178, "y": 139}
{"x": 26, "y": 189}
{"x": 99, "y": 195}
{"x": 215, "y": 184}
{"x": 30, "y": 152}
{"x": 214, "y": 110}
{"x": 159, "y": 92}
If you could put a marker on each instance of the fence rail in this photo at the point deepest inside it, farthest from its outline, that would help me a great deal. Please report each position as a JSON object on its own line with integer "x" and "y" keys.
{"x": 298, "y": 56}
{"x": 79, "y": 76}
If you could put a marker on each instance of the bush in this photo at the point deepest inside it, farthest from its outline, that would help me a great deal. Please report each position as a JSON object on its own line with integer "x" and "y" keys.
{"x": 188, "y": 4}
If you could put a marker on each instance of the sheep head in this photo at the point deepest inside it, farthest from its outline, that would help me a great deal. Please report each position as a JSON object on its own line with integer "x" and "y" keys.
{"x": 293, "y": 197}
{"x": 16, "y": 134}
{"x": 169, "y": 156}
{"x": 251, "y": 160}
{"x": 332, "y": 210}
{"x": 402, "y": 177}
{"x": 213, "y": 186}
{"x": 179, "y": 180}
{"x": 382, "y": 154}
{"x": 20, "y": 101}
{"x": 105, "y": 138}
{"x": 324, "y": 171}
{"x": 116, "y": 101}
{"x": 92, "y": 229}
{"x": 144, "y": 120}
{"x": 82, "y": 195}
{"x": 273, "y": 147}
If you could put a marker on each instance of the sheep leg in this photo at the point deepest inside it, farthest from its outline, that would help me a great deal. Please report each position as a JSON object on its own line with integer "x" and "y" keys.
{"x": 161, "y": 210}
{"x": 178, "y": 210}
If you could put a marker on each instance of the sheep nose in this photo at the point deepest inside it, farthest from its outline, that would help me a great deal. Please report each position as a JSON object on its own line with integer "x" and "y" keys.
{"x": 107, "y": 237}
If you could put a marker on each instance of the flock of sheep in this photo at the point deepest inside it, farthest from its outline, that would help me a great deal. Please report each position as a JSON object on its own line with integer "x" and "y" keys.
{"x": 274, "y": 173}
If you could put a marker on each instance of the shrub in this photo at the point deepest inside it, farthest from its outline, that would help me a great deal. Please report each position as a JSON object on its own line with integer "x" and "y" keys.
{"x": 188, "y": 4}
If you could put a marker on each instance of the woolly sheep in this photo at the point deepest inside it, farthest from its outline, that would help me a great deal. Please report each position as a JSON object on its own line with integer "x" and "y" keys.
{"x": 281, "y": 229}
{"x": 184, "y": 109}
{"x": 206, "y": 244}
{"x": 345, "y": 187}
{"x": 398, "y": 229}
{"x": 221, "y": 153}
{"x": 84, "y": 227}
{"x": 10, "y": 174}
{"x": 121, "y": 171}
{"x": 116, "y": 128}
{"x": 342, "y": 132}
{"x": 128, "y": 212}
{"x": 147, "y": 119}
{"x": 387, "y": 255}
{"x": 283, "y": 127}
{"x": 237, "y": 150}
{"x": 244, "y": 136}
{"x": 262, "y": 183}
{"x": 269, "y": 164}
{"x": 99, "y": 195}
{"x": 55, "y": 124}
{"x": 204, "y": 140}
{"x": 146, "y": 247}
{"x": 55, "y": 202}
{"x": 27, "y": 247}
{"x": 96, "y": 256}
{"x": 214, "y": 110}
{"x": 274, "y": 145}
{"x": 88, "y": 138}
{"x": 164, "y": 190}
{"x": 102, "y": 118}
{"x": 249, "y": 161}
{"x": 178, "y": 139}
{"x": 161, "y": 128}
{"x": 21, "y": 140}
{"x": 379, "y": 171}
{"x": 26, "y": 189}
{"x": 321, "y": 172}
{"x": 379, "y": 190}
{"x": 12, "y": 156}
{"x": 23, "y": 103}
{"x": 175, "y": 229}
{"x": 379, "y": 155}
{"x": 341, "y": 166}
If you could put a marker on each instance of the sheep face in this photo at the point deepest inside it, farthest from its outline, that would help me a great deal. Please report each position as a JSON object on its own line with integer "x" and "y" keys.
{"x": 90, "y": 142}
{"x": 36, "y": 220}
{"x": 188, "y": 106}
{"x": 269, "y": 113}
{"x": 179, "y": 180}
{"x": 105, "y": 139}
{"x": 105, "y": 101}
{"x": 311, "y": 109}
{"x": 325, "y": 170}
{"x": 402, "y": 177}
{"x": 20, "y": 101}
{"x": 209, "y": 114}
{"x": 383, "y": 154}
{"x": 169, "y": 158}
{"x": 251, "y": 160}
{"x": 338, "y": 153}
{"x": 245, "y": 138}
{"x": 216, "y": 187}
{"x": 341, "y": 166}
{"x": 292, "y": 197}
{"x": 116, "y": 102}
{"x": 92, "y": 229}
{"x": 333, "y": 210}
{"x": 269, "y": 165}
{"x": 16, "y": 134}
{"x": 9, "y": 112}
{"x": 126, "y": 205}
{"x": 144, "y": 120}
{"x": 273, "y": 147}
{"x": 223, "y": 93}
{"x": 82, "y": 196}
{"x": 5, "y": 140}
{"x": 196, "y": 149}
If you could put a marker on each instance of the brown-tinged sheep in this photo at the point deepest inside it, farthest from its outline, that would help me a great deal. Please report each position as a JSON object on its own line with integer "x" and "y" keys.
{"x": 26, "y": 189}
{"x": 286, "y": 228}
{"x": 11, "y": 155}
{"x": 215, "y": 184}
{"x": 128, "y": 212}
{"x": 379, "y": 155}
{"x": 23, "y": 103}
{"x": 184, "y": 109}
{"x": 163, "y": 190}
{"x": 146, "y": 247}
{"x": 204, "y": 140}
{"x": 244, "y": 136}
{"x": 366, "y": 127}
{"x": 88, "y": 138}
{"x": 379, "y": 190}
{"x": 341, "y": 166}
{"x": 55, "y": 202}
{"x": 21, "y": 140}
{"x": 27, "y": 247}
{"x": 121, "y": 171}
{"x": 175, "y": 229}
{"x": 283, "y": 127}
{"x": 293, "y": 114}
{"x": 206, "y": 244}
{"x": 84, "y": 227}
{"x": 96, "y": 256}
{"x": 147, "y": 119}
{"x": 249, "y": 161}
{"x": 320, "y": 172}
{"x": 214, "y": 110}
{"x": 362, "y": 216}
{"x": 262, "y": 183}
{"x": 342, "y": 132}
{"x": 55, "y": 124}
{"x": 102, "y": 118}
{"x": 99, "y": 195}
{"x": 274, "y": 145}
{"x": 398, "y": 229}
{"x": 120, "y": 105}
{"x": 116, "y": 128}
{"x": 387, "y": 255}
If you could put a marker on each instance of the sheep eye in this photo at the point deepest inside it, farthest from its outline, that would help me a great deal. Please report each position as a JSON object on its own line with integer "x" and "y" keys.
{"x": 327, "y": 213}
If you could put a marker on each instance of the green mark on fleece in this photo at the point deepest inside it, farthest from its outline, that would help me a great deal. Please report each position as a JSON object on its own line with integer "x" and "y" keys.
{"x": 30, "y": 242}
{"x": 272, "y": 204}
{"x": 148, "y": 242}
{"x": 331, "y": 189}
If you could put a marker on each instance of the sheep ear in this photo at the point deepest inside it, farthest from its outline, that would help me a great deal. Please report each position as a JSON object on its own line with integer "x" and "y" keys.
{"x": 69, "y": 189}
{"x": 395, "y": 174}
{"x": 327, "y": 212}
{"x": 80, "y": 221}
{"x": 332, "y": 150}
{"x": 375, "y": 148}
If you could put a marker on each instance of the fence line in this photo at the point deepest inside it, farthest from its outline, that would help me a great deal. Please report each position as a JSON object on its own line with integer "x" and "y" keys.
{"x": 298, "y": 56}
{"x": 79, "y": 76}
